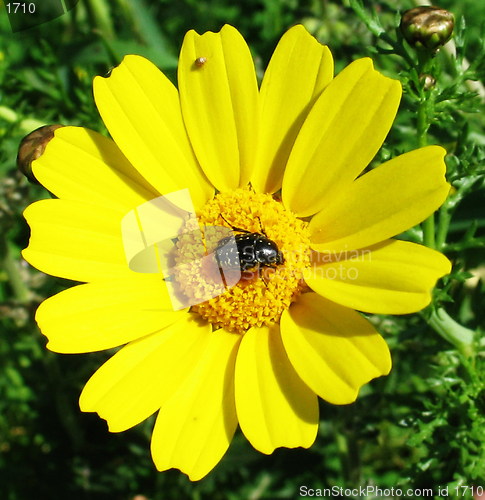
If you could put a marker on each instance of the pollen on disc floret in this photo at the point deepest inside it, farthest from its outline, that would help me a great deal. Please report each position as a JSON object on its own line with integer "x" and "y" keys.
{"x": 261, "y": 295}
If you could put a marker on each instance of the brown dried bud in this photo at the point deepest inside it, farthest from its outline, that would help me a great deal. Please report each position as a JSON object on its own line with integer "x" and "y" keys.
{"x": 427, "y": 27}
{"x": 32, "y": 146}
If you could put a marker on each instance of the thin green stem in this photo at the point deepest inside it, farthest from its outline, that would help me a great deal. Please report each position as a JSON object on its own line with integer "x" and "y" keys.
{"x": 462, "y": 338}
{"x": 444, "y": 220}
{"x": 428, "y": 232}
{"x": 464, "y": 245}
{"x": 423, "y": 123}
{"x": 425, "y": 112}
{"x": 20, "y": 292}
{"x": 446, "y": 212}
{"x": 99, "y": 14}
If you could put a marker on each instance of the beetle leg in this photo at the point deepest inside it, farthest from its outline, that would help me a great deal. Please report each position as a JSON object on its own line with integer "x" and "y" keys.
{"x": 234, "y": 228}
{"x": 263, "y": 278}
{"x": 261, "y": 226}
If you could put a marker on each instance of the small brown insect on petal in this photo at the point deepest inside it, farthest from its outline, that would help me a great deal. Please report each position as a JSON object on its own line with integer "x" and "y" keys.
{"x": 200, "y": 61}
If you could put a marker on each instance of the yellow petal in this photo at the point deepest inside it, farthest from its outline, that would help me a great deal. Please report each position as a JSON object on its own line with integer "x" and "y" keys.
{"x": 107, "y": 314}
{"x": 139, "y": 378}
{"x": 274, "y": 407}
{"x": 299, "y": 70}
{"x": 341, "y": 135}
{"x": 141, "y": 110}
{"x": 194, "y": 428}
{"x": 74, "y": 240}
{"x": 333, "y": 349}
{"x": 392, "y": 277}
{"x": 384, "y": 202}
{"x": 82, "y": 165}
{"x": 219, "y": 97}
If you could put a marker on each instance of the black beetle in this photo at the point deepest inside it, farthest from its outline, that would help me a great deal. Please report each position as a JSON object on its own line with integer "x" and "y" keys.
{"x": 252, "y": 251}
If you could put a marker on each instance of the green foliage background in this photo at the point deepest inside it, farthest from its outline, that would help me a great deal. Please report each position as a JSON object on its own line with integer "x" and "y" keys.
{"x": 423, "y": 426}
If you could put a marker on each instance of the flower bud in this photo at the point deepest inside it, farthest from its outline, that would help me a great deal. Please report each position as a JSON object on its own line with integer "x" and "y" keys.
{"x": 427, "y": 27}
{"x": 428, "y": 81}
{"x": 32, "y": 146}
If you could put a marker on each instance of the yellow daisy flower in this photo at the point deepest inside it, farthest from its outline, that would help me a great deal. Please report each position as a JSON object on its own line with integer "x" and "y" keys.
{"x": 286, "y": 160}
